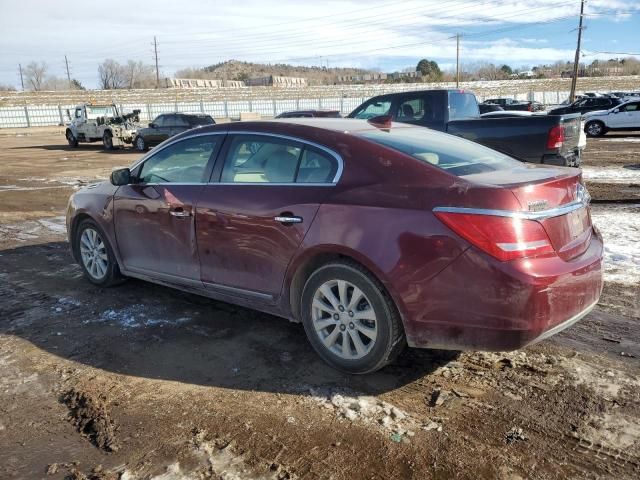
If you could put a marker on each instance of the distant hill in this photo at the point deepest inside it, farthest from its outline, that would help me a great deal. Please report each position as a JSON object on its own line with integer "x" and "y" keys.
{"x": 236, "y": 70}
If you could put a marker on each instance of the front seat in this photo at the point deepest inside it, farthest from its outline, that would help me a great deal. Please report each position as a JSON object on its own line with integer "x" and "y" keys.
{"x": 407, "y": 111}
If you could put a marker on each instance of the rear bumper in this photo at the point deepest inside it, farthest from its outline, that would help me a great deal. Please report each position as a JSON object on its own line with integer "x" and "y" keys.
{"x": 479, "y": 303}
{"x": 567, "y": 160}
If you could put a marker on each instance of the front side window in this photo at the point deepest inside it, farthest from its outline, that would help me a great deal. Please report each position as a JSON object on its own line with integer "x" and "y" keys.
{"x": 630, "y": 107}
{"x": 373, "y": 109}
{"x": 261, "y": 159}
{"x": 455, "y": 155}
{"x": 159, "y": 121}
{"x": 181, "y": 162}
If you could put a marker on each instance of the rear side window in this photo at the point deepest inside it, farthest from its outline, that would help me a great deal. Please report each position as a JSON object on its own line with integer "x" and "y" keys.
{"x": 316, "y": 166}
{"x": 455, "y": 155}
{"x": 462, "y": 105}
{"x": 179, "y": 121}
{"x": 262, "y": 159}
{"x": 205, "y": 120}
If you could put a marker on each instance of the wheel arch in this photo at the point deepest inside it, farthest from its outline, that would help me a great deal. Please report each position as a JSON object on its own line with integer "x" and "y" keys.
{"x": 301, "y": 269}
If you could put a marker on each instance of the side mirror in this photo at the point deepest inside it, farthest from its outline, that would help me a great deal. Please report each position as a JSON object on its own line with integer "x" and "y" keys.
{"x": 120, "y": 177}
{"x": 152, "y": 125}
{"x": 617, "y": 110}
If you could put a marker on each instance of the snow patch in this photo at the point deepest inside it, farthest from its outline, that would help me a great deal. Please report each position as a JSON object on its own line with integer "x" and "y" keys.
{"x": 33, "y": 229}
{"x": 611, "y": 174}
{"x": 370, "y": 411}
{"x": 138, "y": 316}
{"x": 620, "y": 227}
{"x": 621, "y": 139}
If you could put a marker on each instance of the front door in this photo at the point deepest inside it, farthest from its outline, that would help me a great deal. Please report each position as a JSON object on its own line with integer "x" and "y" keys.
{"x": 251, "y": 222}
{"x": 630, "y": 115}
{"x": 154, "y": 217}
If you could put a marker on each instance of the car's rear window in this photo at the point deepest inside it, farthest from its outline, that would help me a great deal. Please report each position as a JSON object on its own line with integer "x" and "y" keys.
{"x": 455, "y": 155}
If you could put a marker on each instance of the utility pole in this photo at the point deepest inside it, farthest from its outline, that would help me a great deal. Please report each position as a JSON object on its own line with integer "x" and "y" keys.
{"x": 21, "y": 78}
{"x": 576, "y": 61}
{"x": 66, "y": 62}
{"x": 155, "y": 50}
{"x": 457, "y": 60}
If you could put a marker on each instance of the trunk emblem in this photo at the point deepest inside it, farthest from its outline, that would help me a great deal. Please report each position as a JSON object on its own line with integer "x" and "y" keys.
{"x": 537, "y": 205}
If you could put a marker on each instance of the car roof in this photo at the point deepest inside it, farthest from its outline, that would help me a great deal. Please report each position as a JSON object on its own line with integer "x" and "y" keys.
{"x": 299, "y": 127}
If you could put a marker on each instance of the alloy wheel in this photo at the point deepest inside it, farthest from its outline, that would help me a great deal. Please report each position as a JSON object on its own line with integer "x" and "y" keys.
{"x": 344, "y": 319}
{"x": 594, "y": 129}
{"x": 94, "y": 253}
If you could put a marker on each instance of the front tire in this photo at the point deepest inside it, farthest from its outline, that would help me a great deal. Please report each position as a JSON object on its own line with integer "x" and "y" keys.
{"x": 71, "y": 139}
{"x": 349, "y": 319}
{"x": 96, "y": 257}
{"x": 140, "y": 144}
{"x": 595, "y": 129}
{"x": 107, "y": 140}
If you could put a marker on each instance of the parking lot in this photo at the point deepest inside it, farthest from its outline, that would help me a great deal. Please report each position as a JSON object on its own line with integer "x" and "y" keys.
{"x": 140, "y": 381}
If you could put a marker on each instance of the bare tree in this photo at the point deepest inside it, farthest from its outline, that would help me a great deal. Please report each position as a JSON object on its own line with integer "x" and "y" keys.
{"x": 139, "y": 75}
{"x": 111, "y": 75}
{"x": 35, "y": 74}
{"x": 7, "y": 88}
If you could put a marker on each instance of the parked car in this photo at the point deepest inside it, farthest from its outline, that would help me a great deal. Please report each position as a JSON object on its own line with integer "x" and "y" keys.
{"x": 619, "y": 118}
{"x": 586, "y": 104}
{"x": 477, "y": 250}
{"x": 509, "y": 104}
{"x": 167, "y": 125}
{"x": 539, "y": 139}
{"x": 310, "y": 114}
{"x": 489, "y": 107}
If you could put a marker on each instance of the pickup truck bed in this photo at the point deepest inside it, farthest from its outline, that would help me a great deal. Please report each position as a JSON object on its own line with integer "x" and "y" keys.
{"x": 548, "y": 139}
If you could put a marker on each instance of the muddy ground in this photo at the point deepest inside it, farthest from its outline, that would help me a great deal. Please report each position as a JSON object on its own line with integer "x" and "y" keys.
{"x": 140, "y": 381}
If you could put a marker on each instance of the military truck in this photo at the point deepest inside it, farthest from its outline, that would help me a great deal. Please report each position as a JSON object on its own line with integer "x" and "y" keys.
{"x": 94, "y": 123}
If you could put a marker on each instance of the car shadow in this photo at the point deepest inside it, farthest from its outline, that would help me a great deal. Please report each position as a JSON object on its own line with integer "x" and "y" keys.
{"x": 94, "y": 147}
{"x": 150, "y": 331}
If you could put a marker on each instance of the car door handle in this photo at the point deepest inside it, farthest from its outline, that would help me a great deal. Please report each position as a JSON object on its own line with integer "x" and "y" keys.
{"x": 180, "y": 213}
{"x": 288, "y": 219}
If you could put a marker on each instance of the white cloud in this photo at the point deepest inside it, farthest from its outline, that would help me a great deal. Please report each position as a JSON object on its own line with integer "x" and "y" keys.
{"x": 347, "y": 33}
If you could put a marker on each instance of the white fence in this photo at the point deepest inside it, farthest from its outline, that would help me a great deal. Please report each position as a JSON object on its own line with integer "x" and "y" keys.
{"x": 46, "y": 115}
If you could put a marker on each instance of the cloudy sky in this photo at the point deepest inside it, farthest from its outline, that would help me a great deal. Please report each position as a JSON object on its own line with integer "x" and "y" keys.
{"x": 381, "y": 34}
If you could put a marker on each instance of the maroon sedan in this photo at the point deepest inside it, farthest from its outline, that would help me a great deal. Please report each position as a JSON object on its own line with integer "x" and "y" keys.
{"x": 374, "y": 235}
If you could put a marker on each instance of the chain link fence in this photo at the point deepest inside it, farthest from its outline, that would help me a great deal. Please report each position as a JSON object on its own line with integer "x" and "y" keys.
{"x": 50, "y": 115}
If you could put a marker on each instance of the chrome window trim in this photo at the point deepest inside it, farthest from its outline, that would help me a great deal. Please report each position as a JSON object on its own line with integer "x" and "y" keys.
{"x": 541, "y": 215}
{"x": 335, "y": 155}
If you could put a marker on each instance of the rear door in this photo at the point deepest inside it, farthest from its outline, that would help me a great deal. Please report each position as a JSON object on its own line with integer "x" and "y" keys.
{"x": 180, "y": 124}
{"x": 423, "y": 108}
{"x": 254, "y": 215}
{"x": 154, "y": 217}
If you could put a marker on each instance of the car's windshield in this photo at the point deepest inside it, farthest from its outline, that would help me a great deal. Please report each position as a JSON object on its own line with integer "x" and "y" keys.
{"x": 455, "y": 155}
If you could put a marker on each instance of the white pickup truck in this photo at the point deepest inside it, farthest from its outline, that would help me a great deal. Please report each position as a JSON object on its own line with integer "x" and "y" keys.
{"x": 93, "y": 123}
{"x": 621, "y": 117}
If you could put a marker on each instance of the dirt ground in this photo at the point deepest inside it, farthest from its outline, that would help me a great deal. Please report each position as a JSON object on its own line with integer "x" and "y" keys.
{"x": 140, "y": 381}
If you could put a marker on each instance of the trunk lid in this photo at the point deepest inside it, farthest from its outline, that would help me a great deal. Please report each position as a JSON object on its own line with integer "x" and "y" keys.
{"x": 546, "y": 188}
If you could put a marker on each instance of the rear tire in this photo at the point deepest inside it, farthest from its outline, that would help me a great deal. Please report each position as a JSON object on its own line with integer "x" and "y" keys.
{"x": 96, "y": 256}
{"x": 73, "y": 141}
{"x": 349, "y": 319}
{"x": 595, "y": 128}
{"x": 107, "y": 140}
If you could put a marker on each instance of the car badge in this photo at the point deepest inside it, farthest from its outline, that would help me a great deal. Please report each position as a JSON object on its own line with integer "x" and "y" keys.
{"x": 537, "y": 205}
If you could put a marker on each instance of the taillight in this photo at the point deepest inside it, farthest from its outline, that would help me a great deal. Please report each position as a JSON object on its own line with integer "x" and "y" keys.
{"x": 555, "y": 139}
{"x": 530, "y": 107}
{"x": 504, "y": 238}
